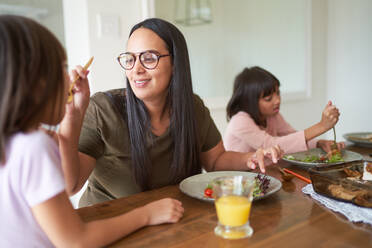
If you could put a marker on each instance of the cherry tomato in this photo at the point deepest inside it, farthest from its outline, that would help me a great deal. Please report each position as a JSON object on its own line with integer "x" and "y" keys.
{"x": 322, "y": 158}
{"x": 208, "y": 192}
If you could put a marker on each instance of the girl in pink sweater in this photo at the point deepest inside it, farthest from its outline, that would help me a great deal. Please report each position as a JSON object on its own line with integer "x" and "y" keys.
{"x": 255, "y": 121}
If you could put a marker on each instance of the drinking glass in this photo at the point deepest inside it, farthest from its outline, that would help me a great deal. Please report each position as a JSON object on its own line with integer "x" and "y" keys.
{"x": 233, "y": 200}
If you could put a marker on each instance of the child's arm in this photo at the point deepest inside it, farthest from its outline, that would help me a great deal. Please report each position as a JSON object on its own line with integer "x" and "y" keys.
{"x": 243, "y": 128}
{"x": 283, "y": 127}
{"x": 64, "y": 227}
{"x": 329, "y": 119}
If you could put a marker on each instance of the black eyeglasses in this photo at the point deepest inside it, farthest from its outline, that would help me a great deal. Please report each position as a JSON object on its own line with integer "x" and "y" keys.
{"x": 148, "y": 59}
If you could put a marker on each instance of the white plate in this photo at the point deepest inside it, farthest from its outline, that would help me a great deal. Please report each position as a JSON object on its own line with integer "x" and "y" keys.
{"x": 348, "y": 156}
{"x": 359, "y": 139}
{"x": 194, "y": 186}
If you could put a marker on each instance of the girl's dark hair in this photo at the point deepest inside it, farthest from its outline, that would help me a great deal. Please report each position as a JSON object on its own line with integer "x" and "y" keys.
{"x": 249, "y": 85}
{"x": 185, "y": 161}
{"x": 31, "y": 76}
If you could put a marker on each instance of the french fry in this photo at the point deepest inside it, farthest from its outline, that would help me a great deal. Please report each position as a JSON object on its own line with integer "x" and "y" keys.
{"x": 70, "y": 95}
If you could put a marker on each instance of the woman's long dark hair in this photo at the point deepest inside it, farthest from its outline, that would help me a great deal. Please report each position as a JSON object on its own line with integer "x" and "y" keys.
{"x": 180, "y": 98}
{"x": 249, "y": 85}
{"x": 31, "y": 76}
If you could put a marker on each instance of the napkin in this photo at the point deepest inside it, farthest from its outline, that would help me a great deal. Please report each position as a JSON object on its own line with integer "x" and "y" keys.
{"x": 350, "y": 211}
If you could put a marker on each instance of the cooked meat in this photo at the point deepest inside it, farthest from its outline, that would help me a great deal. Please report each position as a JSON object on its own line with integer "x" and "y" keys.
{"x": 364, "y": 200}
{"x": 340, "y": 192}
{"x": 352, "y": 173}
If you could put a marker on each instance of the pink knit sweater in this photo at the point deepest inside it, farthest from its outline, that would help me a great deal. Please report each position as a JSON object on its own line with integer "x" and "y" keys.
{"x": 244, "y": 135}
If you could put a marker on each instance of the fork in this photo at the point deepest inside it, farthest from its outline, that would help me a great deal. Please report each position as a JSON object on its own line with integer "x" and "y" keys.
{"x": 334, "y": 145}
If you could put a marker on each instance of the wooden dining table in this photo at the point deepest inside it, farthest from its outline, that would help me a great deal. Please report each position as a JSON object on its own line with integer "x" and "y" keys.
{"x": 287, "y": 218}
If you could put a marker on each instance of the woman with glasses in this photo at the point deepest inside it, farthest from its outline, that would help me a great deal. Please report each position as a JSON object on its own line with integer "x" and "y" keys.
{"x": 155, "y": 132}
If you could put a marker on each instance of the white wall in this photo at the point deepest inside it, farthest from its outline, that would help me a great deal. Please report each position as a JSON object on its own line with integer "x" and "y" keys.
{"x": 245, "y": 33}
{"x": 341, "y": 65}
{"x": 273, "y": 34}
{"x": 304, "y": 112}
{"x": 47, "y": 12}
{"x": 350, "y": 63}
{"x": 83, "y": 39}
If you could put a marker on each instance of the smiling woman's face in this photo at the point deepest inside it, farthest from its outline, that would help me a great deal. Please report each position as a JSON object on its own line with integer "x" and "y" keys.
{"x": 149, "y": 85}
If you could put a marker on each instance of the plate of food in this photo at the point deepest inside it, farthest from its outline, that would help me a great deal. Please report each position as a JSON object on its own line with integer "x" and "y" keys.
{"x": 317, "y": 156}
{"x": 199, "y": 186}
{"x": 360, "y": 139}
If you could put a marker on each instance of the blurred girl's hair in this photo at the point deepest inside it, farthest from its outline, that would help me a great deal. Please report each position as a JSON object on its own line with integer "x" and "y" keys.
{"x": 31, "y": 76}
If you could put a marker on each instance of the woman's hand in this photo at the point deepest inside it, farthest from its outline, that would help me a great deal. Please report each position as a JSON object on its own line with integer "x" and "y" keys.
{"x": 163, "y": 211}
{"x": 326, "y": 145}
{"x": 80, "y": 93}
{"x": 330, "y": 116}
{"x": 257, "y": 159}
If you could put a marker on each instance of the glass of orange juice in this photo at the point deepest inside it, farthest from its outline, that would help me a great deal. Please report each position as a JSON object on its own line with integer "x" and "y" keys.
{"x": 233, "y": 200}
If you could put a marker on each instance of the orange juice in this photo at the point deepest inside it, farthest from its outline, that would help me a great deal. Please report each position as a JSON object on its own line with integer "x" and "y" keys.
{"x": 233, "y": 210}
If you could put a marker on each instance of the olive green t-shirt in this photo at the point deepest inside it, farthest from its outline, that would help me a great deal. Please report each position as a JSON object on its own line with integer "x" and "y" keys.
{"x": 105, "y": 137}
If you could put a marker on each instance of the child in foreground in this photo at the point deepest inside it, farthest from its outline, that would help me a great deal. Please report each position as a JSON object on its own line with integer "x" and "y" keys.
{"x": 255, "y": 121}
{"x": 33, "y": 90}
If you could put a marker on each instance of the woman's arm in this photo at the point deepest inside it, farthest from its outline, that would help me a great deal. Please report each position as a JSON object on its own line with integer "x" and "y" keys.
{"x": 76, "y": 166}
{"x": 64, "y": 227}
{"x": 219, "y": 159}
